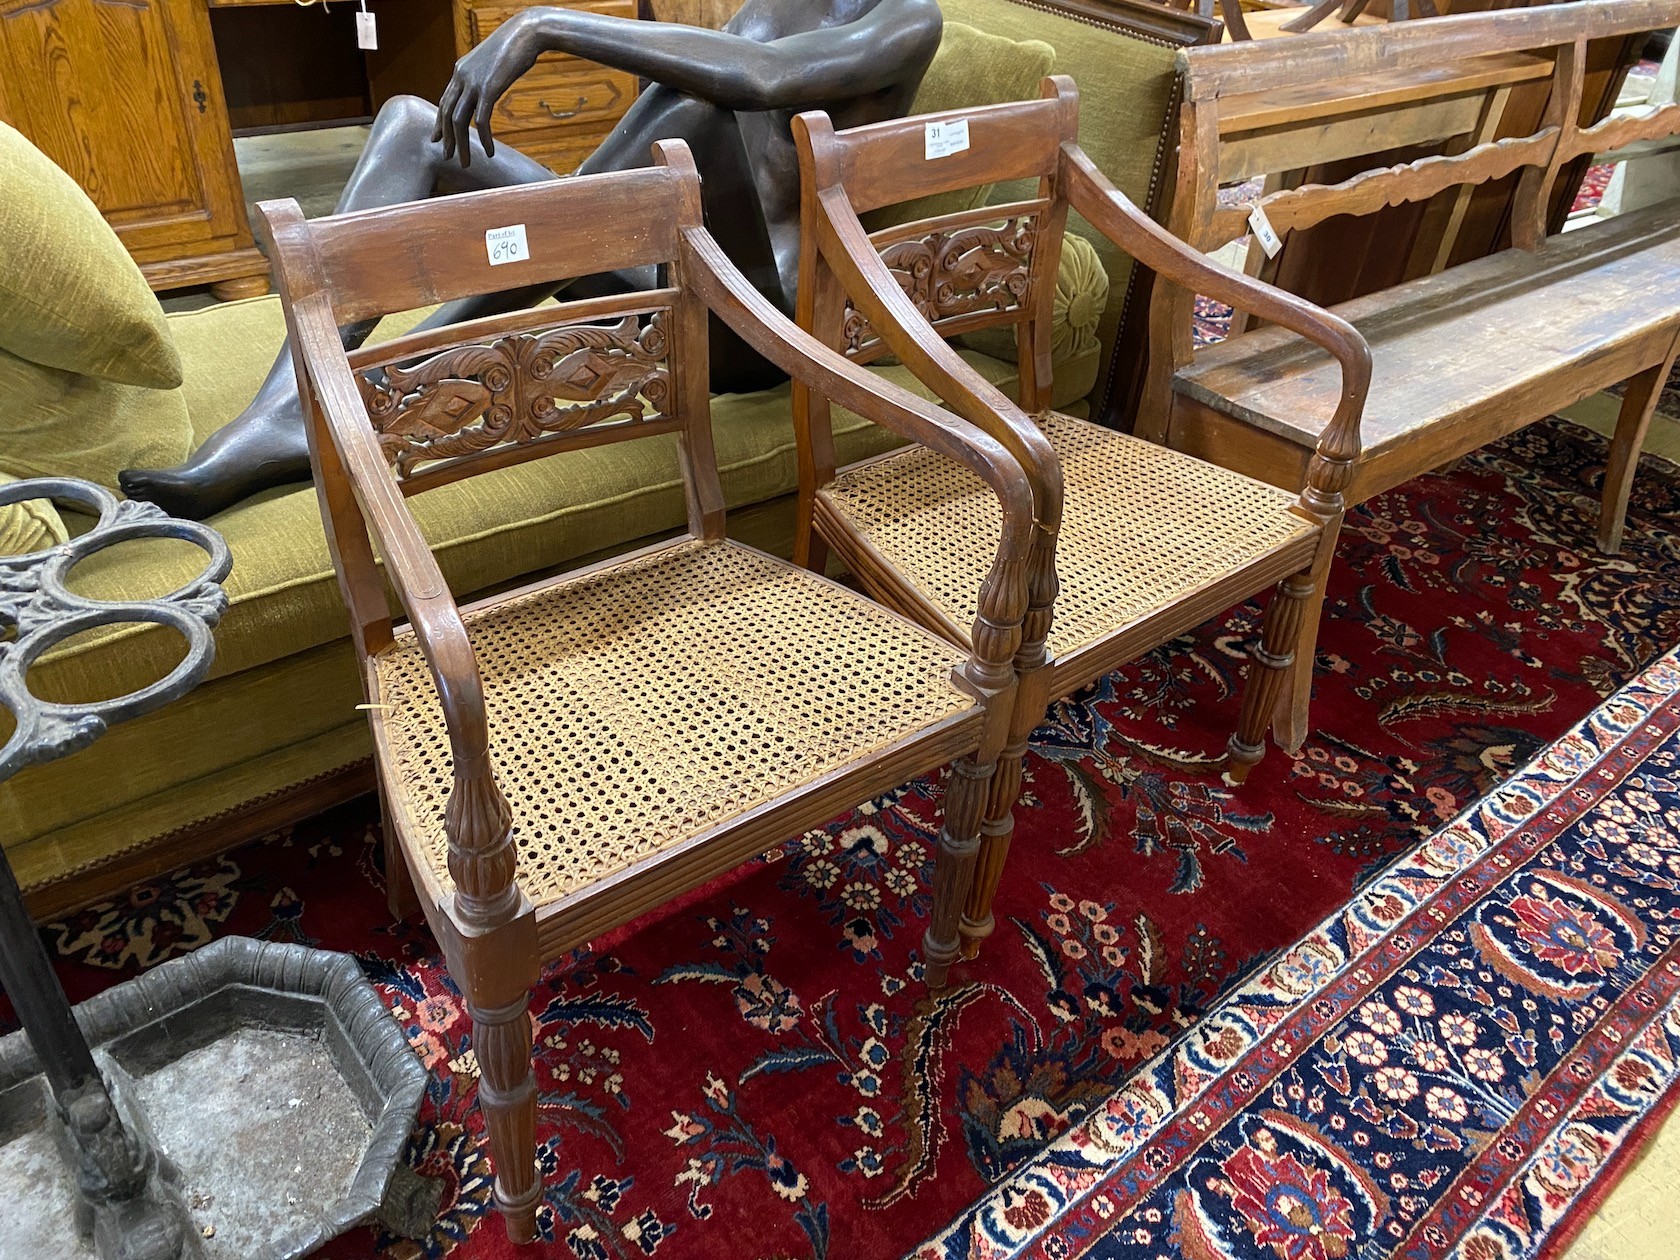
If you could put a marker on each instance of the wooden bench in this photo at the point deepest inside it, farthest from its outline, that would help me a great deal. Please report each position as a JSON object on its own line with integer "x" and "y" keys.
{"x": 1459, "y": 357}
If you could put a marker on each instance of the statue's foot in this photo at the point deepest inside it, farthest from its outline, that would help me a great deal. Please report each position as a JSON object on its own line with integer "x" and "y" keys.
{"x": 179, "y": 491}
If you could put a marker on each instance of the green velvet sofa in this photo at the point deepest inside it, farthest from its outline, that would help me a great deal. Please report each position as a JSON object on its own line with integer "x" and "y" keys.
{"x": 275, "y": 735}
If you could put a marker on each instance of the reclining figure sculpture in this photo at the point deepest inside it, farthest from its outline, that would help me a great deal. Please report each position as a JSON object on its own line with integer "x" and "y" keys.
{"x": 730, "y": 93}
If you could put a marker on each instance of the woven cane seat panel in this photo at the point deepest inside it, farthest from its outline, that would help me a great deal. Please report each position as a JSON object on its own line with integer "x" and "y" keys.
{"x": 1142, "y": 526}
{"x": 633, "y": 708}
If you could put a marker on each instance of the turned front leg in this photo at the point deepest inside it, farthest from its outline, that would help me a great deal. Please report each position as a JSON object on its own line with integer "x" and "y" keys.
{"x": 507, "y": 1096}
{"x": 953, "y": 870}
{"x": 1273, "y": 658}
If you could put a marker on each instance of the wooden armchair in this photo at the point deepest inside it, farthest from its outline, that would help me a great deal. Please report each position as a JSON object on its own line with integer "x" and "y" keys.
{"x": 1149, "y": 542}
{"x": 559, "y": 759}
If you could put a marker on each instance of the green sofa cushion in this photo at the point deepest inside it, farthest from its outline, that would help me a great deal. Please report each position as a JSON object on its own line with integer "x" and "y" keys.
{"x": 486, "y": 531}
{"x": 58, "y": 423}
{"x": 70, "y": 296}
{"x": 1126, "y": 87}
{"x": 87, "y": 366}
{"x": 971, "y": 68}
{"x": 33, "y": 525}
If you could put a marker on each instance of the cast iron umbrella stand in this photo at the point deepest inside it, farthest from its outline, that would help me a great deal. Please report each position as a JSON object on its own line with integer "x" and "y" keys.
{"x": 251, "y": 1099}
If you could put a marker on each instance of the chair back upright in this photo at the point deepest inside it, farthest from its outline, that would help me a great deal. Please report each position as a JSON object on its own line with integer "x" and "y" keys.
{"x": 869, "y": 294}
{"x": 448, "y": 402}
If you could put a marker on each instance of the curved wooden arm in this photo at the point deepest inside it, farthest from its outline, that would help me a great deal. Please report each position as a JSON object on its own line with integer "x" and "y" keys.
{"x": 799, "y": 354}
{"x": 477, "y": 819}
{"x": 870, "y": 286}
{"x": 1003, "y": 597}
{"x": 1112, "y": 213}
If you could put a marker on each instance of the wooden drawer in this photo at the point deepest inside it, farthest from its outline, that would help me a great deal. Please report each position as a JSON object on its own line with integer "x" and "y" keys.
{"x": 485, "y": 18}
{"x": 565, "y": 106}
{"x": 570, "y": 94}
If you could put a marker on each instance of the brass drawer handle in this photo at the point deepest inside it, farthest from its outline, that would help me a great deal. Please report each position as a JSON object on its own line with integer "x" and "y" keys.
{"x": 558, "y": 114}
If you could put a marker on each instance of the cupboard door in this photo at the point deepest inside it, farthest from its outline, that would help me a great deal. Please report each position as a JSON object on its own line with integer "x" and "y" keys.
{"x": 126, "y": 97}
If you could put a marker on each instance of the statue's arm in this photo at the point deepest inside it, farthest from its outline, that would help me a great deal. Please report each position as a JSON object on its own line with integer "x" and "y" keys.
{"x": 729, "y": 70}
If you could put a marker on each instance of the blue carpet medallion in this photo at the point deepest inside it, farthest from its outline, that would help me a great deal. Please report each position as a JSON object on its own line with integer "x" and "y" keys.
{"x": 1456, "y": 1064}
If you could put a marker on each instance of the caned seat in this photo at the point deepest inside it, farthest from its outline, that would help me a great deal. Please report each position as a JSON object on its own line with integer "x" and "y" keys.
{"x": 555, "y": 761}
{"x": 1143, "y": 527}
{"x": 636, "y": 707}
{"x": 1133, "y": 543}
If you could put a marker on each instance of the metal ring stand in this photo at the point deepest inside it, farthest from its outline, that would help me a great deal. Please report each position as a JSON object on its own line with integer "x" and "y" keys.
{"x": 131, "y": 1212}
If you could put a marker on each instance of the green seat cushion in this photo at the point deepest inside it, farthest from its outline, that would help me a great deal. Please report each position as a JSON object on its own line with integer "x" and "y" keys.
{"x": 971, "y": 68}
{"x": 32, "y": 525}
{"x": 70, "y": 296}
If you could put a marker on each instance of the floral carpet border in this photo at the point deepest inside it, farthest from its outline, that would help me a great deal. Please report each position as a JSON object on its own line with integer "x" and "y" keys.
{"x": 1547, "y": 1136}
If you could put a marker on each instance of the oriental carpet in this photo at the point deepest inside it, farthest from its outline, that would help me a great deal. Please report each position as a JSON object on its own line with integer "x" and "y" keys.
{"x": 757, "y": 1071}
{"x": 1441, "y": 1068}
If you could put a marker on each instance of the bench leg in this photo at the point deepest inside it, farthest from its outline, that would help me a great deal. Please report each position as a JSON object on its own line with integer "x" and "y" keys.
{"x": 1639, "y": 404}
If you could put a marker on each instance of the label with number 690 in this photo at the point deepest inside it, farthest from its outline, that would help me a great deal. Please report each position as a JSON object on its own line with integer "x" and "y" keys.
{"x": 506, "y": 244}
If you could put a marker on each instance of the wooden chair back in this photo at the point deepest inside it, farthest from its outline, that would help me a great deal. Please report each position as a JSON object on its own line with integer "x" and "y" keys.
{"x": 984, "y": 267}
{"x": 989, "y": 266}
{"x": 449, "y": 402}
{"x": 1561, "y": 30}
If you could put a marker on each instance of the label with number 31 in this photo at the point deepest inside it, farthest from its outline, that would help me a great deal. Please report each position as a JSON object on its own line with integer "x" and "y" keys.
{"x": 506, "y": 245}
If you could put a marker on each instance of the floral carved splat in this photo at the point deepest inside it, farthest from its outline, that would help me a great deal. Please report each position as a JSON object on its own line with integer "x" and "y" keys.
{"x": 955, "y": 272}
{"x": 519, "y": 388}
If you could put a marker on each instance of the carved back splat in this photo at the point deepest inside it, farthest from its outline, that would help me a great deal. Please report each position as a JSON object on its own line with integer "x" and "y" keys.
{"x": 964, "y": 271}
{"x": 611, "y": 378}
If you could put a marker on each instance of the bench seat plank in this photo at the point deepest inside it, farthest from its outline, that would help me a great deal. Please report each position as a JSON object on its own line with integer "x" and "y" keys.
{"x": 1470, "y": 353}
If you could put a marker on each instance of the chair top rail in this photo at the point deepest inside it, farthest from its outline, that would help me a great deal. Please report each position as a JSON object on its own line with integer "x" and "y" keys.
{"x": 1256, "y": 66}
{"x": 398, "y": 258}
{"x": 886, "y": 163}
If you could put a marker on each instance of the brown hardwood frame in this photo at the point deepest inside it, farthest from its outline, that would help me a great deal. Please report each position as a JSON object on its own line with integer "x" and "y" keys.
{"x": 852, "y": 300}
{"x": 341, "y": 270}
{"x": 1213, "y": 77}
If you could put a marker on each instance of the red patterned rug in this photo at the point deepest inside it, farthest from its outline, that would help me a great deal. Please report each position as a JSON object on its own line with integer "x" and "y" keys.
{"x": 758, "y": 1070}
{"x": 1456, "y": 1063}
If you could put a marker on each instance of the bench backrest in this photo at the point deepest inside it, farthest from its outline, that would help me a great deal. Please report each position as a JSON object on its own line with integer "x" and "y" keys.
{"x": 1561, "y": 31}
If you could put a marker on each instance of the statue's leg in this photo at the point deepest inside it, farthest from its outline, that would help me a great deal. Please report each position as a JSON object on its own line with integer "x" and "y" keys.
{"x": 265, "y": 445}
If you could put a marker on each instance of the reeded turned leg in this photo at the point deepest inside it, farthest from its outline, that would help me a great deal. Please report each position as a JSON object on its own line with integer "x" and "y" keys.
{"x": 1273, "y": 657}
{"x": 507, "y": 1095}
{"x": 1291, "y": 717}
{"x": 997, "y": 829}
{"x": 953, "y": 869}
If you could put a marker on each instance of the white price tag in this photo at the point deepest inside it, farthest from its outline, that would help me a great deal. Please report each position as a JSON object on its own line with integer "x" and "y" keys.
{"x": 946, "y": 138}
{"x": 1264, "y": 232}
{"x": 366, "y": 35}
{"x": 506, "y": 244}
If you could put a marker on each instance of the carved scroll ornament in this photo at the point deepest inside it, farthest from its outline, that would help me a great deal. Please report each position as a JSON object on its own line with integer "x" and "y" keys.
{"x": 958, "y": 272}
{"x": 517, "y": 389}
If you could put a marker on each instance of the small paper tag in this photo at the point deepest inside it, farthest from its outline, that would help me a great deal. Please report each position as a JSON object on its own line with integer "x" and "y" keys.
{"x": 946, "y": 138}
{"x": 366, "y": 34}
{"x": 1264, "y": 232}
{"x": 506, "y": 244}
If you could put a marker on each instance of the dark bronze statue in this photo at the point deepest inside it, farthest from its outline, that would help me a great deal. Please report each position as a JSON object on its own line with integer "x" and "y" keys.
{"x": 731, "y": 94}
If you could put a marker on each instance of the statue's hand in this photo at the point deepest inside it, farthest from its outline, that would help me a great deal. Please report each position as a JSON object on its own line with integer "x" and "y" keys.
{"x": 480, "y": 79}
